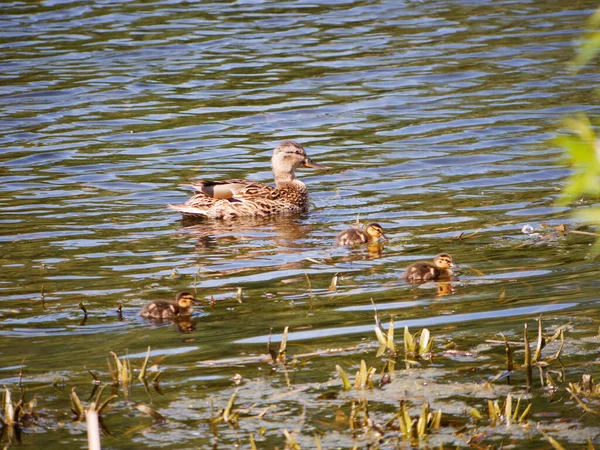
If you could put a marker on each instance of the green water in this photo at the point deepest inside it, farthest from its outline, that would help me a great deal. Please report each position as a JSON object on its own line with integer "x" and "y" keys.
{"x": 435, "y": 118}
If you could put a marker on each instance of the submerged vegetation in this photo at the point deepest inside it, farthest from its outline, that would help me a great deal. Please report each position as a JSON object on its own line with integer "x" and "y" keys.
{"x": 499, "y": 392}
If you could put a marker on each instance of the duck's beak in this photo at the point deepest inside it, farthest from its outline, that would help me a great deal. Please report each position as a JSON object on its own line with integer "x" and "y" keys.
{"x": 454, "y": 266}
{"x": 197, "y": 302}
{"x": 313, "y": 165}
{"x": 383, "y": 237}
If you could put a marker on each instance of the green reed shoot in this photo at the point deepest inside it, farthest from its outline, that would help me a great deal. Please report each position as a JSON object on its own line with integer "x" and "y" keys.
{"x": 345, "y": 381}
{"x": 553, "y": 442}
{"x": 283, "y": 346}
{"x": 96, "y": 405}
{"x": 142, "y": 374}
{"x": 252, "y": 443}
{"x": 362, "y": 380}
{"x": 575, "y": 394}
{"x": 76, "y": 405}
{"x": 317, "y": 442}
{"x": 505, "y": 414}
{"x": 510, "y": 364}
{"x": 527, "y": 362}
{"x": 418, "y": 345}
{"x": 121, "y": 373}
{"x": 229, "y": 416}
{"x": 541, "y": 343}
{"x": 386, "y": 342}
{"x": 359, "y": 417}
{"x": 416, "y": 429}
{"x": 290, "y": 442}
{"x": 10, "y": 417}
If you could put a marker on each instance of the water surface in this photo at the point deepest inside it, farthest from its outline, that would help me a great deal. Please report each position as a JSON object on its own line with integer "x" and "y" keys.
{"x": 435, "y": 117}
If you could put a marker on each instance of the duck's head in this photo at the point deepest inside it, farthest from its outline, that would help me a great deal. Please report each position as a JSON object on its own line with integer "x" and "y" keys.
{"x": 287, "y": 157}
{"x": 186, "y": 300}
{"x": 375, "y": 231}
{"x": 443, "y": 261}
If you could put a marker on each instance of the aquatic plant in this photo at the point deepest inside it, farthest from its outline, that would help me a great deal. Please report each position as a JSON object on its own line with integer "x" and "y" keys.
{"x": 415, "y": 429}
{"x": 418, "y": 345}
{"x": 121, "y": 373}
{"x": 386, "y": 342}
{"x": 362, "y": 380}
{"x": 503, "y": 415}
{"x": 96, "y": 405}
{"x": 16, "y": 415}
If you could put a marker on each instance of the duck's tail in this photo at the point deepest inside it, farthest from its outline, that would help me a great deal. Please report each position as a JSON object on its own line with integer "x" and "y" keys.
{"x": 188, "y": 211}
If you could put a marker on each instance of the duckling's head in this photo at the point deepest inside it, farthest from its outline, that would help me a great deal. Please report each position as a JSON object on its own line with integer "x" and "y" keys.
{"x": 375, "y": 231}
{"x": 186, "y": 300}
{"x": 287, "y": 157}
{"x": 443, "y": 261}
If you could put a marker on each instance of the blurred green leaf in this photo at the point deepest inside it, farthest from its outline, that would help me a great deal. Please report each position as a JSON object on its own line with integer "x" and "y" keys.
{"x": 590, "y": 215}
{"x": 590, "y": 44}
{"x": 582, "y": 149}
{"x": 587, "y": 51}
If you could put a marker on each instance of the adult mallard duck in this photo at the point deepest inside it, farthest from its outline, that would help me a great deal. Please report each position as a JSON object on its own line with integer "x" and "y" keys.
{"x": 233, "y": 198}
{"x": 168, "y": 309}
{"x": 438, "y": 269}
{"x": 371, "y": 233}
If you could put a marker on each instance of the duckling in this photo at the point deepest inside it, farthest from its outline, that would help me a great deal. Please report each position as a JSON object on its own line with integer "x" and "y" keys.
{"x": 371, "y": 233}
{"x": 422, "y": 271}
{"x": 167, "y": 309}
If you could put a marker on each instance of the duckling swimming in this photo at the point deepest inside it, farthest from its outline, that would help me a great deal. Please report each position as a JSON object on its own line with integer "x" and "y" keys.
{"x": 235, "y": 198}
{"x": 168, "y": 309}
{"x": 371, "y": 233}
{"x": 422, "y": 271}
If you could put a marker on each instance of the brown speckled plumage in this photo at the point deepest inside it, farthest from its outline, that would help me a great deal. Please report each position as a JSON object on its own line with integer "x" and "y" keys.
{"x": 165, "y": 309}
{"x": 438, "y": 269}
{"x": 234, "y": 198}
{"x": 370, "y": 233}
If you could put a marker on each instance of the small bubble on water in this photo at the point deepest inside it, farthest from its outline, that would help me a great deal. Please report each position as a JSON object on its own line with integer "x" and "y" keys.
{"x": 527, "y": 229}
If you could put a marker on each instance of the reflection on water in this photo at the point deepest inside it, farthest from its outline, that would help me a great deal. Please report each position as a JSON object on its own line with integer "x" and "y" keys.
{"x": 435, "y": 117}
{"x": 284, "y": 231}
{"x": 444, "y": 288}
{"x": 183, "y": 325}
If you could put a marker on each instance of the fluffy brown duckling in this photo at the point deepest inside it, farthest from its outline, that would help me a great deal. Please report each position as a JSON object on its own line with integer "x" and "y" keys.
{"x": 371, "y": 233}
{"x": 422, "y": 271}
{"x": 168, "y": 309}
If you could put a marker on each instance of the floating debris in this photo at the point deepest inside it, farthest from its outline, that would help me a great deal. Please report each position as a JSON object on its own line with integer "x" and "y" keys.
{"x": 527, "y": 229}
{"x": 151, "y": 412}
{"x": 333, "y": 285}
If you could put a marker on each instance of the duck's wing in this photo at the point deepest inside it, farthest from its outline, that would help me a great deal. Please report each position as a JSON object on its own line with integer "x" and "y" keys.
{"x": 253, "y": 190}
{"x": 158, "y": 309}
{"x": 352, "y": 236}
{"x": 420, "y": 271}
{"x": 217, "y": 189}
{"x": 234, "y": 189}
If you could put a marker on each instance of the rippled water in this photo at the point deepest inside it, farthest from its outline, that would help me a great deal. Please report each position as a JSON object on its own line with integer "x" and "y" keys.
{"x": 435, "y": 117}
